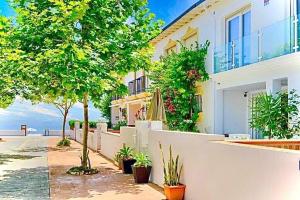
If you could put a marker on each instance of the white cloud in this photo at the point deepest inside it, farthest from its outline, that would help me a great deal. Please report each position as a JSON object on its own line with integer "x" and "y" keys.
{"x": 44, "y": 111}
{"x": 11, "y": 113}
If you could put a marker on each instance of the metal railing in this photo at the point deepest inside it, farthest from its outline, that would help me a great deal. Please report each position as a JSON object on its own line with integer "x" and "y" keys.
{"x": 278, "y": 39}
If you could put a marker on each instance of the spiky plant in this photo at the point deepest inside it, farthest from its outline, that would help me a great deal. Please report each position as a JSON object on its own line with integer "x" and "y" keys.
{"x": 172, "y": 171}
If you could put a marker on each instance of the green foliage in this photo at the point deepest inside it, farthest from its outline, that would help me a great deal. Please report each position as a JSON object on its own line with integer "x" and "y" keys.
{"x": 276, "y": 116}
{"x": 72, "y": 124}
{"x": 181, "y": 71}
{"x": 64, "y": 143}
{"x": 78, "y": 48}
{"x": 119, "y": 125}
{"x": 8, "y": 86}
{"x": 172, "y": 171}
{"x": 92, "y": 124}
{"x": 142, "y": 160}
{"x": 125, "y": 153}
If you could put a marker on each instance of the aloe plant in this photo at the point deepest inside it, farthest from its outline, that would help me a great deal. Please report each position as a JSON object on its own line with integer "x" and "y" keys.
{"x": 142, "y": 160}
{"x": 172, "y": 171}
{"x": 125, "y": 153}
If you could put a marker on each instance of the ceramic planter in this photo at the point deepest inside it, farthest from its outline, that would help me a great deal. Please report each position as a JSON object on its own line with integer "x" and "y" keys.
{"x": 141, "y": 174}
{"x": 126, "y": 165}
{"x": 174, "y": 192}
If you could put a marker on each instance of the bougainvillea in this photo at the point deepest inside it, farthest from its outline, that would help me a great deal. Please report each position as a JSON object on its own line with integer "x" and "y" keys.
{"x": 176, "y": 75}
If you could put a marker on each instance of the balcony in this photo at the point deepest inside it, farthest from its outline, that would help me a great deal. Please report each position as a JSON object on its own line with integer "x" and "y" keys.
{"x": 269, "y": 42}
{"x": 137, "y": 86}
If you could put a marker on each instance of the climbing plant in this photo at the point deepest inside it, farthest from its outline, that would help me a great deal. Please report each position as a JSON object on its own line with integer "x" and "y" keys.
{"x": 176, "y": 75}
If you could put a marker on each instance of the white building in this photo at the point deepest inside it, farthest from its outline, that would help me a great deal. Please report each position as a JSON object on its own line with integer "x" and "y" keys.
{"x": 254, "y": 48}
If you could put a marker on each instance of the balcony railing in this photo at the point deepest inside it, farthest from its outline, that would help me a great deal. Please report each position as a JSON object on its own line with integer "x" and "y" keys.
{"x": 276, "y": 40}
{"x": 137, "y": 86}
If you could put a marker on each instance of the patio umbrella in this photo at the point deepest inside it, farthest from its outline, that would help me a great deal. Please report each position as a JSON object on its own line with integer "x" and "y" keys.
{"x": 156, "y": 110}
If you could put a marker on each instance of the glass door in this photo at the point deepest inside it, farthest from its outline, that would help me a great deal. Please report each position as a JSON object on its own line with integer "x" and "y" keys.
{"x": 239, "y": 39}
{"x": 233, "y": 38}
{"x": 246, "y": 41}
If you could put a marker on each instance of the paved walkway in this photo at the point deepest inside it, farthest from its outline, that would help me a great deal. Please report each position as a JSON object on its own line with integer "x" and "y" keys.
{"x": 23, "y": 169}
{"x": 109, "y": 184}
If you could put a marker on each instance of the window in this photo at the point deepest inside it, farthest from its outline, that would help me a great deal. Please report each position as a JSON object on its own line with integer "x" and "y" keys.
{"x": 190, "y": 38}
{"x": 171, "y": 47}
{"x": 238, "y": 39}
{"x": 171, "y": 50}
{"x": 191, "y": 41}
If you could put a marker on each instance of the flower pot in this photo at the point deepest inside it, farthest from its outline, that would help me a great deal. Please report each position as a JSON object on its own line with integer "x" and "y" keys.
{"x": 141, "y": 174}
{"x": 126, "y": 166}
{"x": 120, "y": 164}
{"x": 174, "y": 192}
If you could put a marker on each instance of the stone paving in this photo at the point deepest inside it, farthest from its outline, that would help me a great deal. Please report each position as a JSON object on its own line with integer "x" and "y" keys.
{"x": 109, "y": 184}
{"x": 24, "y": 174}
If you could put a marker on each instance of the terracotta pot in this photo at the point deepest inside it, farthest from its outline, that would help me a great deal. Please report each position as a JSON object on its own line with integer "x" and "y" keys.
{"x": 120, "y": 164}
{"x": 126, "y": 166}
{"x": 141, "y": 174}
{"x": 174, "y": 192}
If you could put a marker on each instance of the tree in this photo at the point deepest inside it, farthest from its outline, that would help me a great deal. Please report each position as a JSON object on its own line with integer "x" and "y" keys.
{"x": 64, "y": 106}
{"x": 82, "y": 46}
{"x": 7, "y": 93}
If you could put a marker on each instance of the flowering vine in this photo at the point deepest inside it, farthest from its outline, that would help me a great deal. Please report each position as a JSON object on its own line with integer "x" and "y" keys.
{"x": 181, "y": 71}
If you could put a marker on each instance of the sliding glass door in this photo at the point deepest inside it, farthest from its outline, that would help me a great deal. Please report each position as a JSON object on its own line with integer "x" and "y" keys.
{"x": 238, "y": 39}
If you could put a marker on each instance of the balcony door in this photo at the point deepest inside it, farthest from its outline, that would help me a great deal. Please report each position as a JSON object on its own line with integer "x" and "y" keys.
{"x": 238, "y": 39}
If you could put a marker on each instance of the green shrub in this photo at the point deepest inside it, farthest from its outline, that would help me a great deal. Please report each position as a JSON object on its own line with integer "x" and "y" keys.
{"x": 93, "y": 124}
{"x": 64, "y": 143}
{"x": 125, "y": 153}
{"x": 72, "y": 124}
{"x": 119, "y": 124}
{"x": 142, "y": 160}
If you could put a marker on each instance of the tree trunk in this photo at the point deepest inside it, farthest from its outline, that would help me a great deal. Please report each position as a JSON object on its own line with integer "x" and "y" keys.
{"x": 85, "y": 130}
{"x": 64, "y": 122}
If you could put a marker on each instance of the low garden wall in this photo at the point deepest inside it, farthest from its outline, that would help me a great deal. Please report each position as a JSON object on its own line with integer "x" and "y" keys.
{"x": 214, "y": 168}
{"x": 12, "y": 133}
{"x": 110, "y": 144}
{"x": 217, "y": 169}
{"x": 94, "y": 139}
{"x": 59, "y": 133}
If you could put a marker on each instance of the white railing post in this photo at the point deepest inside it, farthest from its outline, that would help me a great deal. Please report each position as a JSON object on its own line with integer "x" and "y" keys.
{"x": 295, "y": 26}
{"x": 259, "y": 45}
{"x": 232, "y": 54}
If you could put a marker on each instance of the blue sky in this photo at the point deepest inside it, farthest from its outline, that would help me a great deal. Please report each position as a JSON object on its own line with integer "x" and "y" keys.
{"x": 44, "y": 116}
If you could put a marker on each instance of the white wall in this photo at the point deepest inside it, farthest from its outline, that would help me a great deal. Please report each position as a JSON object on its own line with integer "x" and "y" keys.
{"x": 235, "y": 112}
{"x": 224, "y": 171}
{"x": 110, "y": 144}
{"x": 59, "y": 133}
{"x": 12, "y": 133}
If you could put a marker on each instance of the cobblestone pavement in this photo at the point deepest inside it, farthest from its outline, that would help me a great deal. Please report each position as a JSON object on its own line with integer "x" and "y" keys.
{"x": 23, "y": 168}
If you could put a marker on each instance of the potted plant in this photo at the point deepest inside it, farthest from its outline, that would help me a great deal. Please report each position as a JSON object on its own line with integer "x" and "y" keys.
{"x": 141, "y": 168}
{"x": 118, "y": 160}
{"x": 174, "y": 190}
{"x": 126, "y": 155}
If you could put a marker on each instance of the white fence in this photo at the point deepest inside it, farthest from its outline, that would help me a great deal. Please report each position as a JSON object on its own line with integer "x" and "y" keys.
{"x": 213, "y": 168}
{"x": 12, "y": 133}
{"x": 58, "y": 133}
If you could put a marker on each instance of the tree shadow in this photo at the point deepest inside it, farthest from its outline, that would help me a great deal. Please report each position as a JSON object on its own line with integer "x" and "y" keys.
{"x": 88, "y": 186}
{"x": 63, "y": 149}
{"x": 33, "y": 150}
{"x": 4, "y": 158}
{"x": 26, "y": 184}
